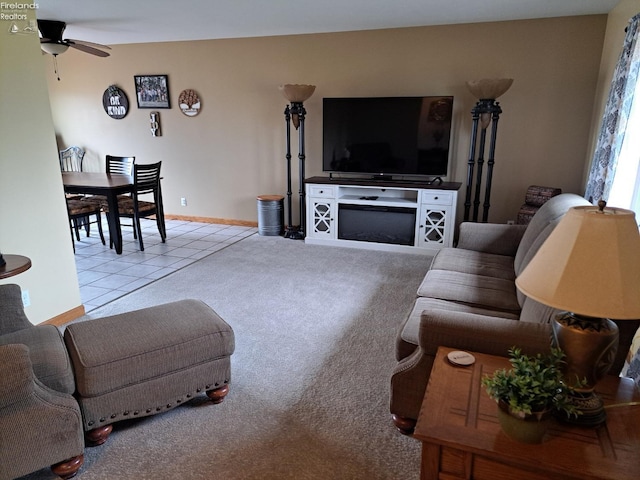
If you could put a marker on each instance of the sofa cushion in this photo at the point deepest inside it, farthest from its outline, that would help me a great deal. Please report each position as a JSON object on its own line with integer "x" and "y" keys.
{"x": 541, "y": 226}
{"x": 473, "y": 262}
{"x": 536, "y": 312}
{"x": 408, "y": 338}
{"x": 475, "y": 290}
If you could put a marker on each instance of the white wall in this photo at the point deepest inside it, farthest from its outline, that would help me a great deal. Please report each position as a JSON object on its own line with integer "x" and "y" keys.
{"x": 33, "y": 217}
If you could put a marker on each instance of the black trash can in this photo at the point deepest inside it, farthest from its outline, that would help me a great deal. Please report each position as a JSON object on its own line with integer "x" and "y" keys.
{"x": 270, "y": 215}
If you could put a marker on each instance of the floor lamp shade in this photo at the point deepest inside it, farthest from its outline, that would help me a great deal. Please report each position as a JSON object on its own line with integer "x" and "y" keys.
{"x": 589, "y": 267}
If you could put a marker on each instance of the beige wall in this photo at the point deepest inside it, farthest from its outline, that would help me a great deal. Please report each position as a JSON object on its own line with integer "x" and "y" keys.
{"x": 33, "y": 217}
{"x": 238, "y": 139}
{"x": 234, "y": 149}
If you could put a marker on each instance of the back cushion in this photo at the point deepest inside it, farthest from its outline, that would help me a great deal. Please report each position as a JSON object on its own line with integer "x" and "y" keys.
{"x": 542, "y": 224}
{"x": 540, "y": 227}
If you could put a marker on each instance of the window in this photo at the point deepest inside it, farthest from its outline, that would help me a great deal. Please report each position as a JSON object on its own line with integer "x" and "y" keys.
{"x": 625, "y": 189}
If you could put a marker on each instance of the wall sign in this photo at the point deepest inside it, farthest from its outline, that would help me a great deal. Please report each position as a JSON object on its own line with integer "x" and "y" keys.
{"x": 115, "y": 102}
{"x": 189, "y": 102}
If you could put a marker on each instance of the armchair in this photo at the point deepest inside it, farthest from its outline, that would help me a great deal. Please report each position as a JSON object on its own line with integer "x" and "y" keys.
{"x": 40, "y": 421}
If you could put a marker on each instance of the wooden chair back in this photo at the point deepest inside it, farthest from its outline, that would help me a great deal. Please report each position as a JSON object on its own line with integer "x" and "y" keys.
{"x": 120, "y": 165}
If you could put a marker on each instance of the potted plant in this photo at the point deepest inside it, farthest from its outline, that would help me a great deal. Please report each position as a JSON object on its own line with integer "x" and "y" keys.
{"x": 529, "y": 393}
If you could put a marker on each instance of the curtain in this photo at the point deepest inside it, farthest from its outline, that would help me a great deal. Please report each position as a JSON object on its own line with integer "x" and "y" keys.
{"x": 614, "y": 120}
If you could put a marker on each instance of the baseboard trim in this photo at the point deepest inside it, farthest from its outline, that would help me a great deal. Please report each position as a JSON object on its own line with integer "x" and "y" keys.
{"x": 65, "y": 317}
{"x": 223, "y": 221}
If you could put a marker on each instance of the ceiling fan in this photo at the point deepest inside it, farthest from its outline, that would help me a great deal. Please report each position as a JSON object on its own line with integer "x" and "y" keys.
{"x": 52, "y": 43}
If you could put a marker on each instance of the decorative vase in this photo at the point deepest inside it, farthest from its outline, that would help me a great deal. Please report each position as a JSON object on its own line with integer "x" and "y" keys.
{"x": 525, "y": 428}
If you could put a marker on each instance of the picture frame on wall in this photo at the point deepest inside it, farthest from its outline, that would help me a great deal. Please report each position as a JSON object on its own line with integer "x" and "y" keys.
{"x": 152, "y": 91}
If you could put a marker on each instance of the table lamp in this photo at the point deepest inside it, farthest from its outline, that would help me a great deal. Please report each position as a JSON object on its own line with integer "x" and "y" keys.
{"x": 589, "y": 267}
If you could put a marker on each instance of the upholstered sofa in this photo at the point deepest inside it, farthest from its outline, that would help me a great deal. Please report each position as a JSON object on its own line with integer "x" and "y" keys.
{"x": 468, "y": 300}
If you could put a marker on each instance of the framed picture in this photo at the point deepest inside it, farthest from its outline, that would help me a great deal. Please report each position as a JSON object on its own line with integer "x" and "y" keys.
{"x": 152, "y": 91}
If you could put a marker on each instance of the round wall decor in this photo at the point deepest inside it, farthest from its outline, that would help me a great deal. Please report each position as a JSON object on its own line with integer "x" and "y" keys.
{"x": 115, "y": 102}
{"x": 189, "y": 102}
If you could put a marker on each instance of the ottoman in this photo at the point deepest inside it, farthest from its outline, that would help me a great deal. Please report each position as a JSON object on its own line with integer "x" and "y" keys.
{"x": 147, "y": 361}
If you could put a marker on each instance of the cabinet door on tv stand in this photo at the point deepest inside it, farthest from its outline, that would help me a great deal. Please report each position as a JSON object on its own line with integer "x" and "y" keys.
{"x": 321, "y": 218}
{"x": 435, "y": 230}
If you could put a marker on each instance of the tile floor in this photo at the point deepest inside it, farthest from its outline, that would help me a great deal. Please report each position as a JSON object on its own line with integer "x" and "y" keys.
{"x": 104, "y": 276}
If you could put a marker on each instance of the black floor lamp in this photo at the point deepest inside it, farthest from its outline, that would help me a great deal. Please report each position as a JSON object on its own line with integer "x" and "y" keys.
{"x": 295, "y": 112}
{"x": 486, "y": 111}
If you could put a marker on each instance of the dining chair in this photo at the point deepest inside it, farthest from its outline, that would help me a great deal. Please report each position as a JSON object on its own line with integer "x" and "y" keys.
{"x": 71, "y": 159}
{"x": 146, "y": 182}
{"x": 80, "y": 208}
{"x": 121, "y": 165}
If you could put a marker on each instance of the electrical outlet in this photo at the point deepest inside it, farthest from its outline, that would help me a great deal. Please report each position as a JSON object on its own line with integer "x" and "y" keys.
{"x": 510, "y": 222}
{"x": 26, "y": 300}
{"x": 183, "y": 201}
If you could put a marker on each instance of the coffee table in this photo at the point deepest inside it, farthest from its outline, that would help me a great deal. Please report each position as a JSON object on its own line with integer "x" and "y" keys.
{"x": 461, "y": 437}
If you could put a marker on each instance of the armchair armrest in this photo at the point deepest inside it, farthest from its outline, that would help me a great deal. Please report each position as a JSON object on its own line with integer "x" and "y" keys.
{"x": 496, "y": 238}
{"x": 480, "y": 333}
{"x": 16, "y": 373}
{"x": 39, "y": 427}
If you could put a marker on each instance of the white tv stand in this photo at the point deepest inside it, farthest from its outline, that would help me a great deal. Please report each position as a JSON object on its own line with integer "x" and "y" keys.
{"x": 390, "y": 215}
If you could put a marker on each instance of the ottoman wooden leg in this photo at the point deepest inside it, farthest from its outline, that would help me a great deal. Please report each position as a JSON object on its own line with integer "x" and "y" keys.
{"x": 217, "y": 395}
{"x": 68, "y": 468}
{"x": 97, "y": 436}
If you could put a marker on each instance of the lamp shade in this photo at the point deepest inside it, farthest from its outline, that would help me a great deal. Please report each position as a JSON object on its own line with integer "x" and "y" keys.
{"x": 297, "y": 93}
{"x": 489, "y": 88}
{"x": 589, "y": 265}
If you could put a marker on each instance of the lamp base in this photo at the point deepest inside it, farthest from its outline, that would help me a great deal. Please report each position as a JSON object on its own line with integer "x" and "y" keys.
{"x": 591, "y": 408}
{"x": 590, "y": 345}
{"x": 293, "y": 232}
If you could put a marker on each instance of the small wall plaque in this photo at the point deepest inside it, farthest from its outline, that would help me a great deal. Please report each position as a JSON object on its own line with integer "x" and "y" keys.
{"x": 189, "y": 102}
{"x": 115, "y": 102}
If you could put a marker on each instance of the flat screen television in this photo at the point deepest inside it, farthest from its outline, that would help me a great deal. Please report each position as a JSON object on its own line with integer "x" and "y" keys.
{"x": 384, "y": 137}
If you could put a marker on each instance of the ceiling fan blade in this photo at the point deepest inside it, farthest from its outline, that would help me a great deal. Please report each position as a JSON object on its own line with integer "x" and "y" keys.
{"x": 88, "y": 49}
{"x": 88, "y": 44}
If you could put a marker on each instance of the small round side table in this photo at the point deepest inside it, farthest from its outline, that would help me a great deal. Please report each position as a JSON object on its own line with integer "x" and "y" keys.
{"x": 15, "y": 264}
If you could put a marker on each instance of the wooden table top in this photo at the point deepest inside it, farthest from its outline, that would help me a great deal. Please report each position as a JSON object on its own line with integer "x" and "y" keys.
{"x": 15, "y": 264}
{"x": 457, "y": 412}
{"x": 96, "y": 179}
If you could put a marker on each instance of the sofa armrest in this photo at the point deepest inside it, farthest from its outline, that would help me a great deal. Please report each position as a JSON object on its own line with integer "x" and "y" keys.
{"x": 496, "y": 238}
{"x": 480, "y": 333}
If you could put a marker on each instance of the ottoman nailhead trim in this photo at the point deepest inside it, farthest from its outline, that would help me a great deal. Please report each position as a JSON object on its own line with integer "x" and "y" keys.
{"x": 158, "y": 409}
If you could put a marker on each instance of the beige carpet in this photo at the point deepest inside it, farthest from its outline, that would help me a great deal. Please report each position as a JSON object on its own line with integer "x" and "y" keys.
{"x": 315, "y": 330}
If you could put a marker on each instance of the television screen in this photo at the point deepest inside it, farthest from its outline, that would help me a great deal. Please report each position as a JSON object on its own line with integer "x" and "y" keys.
{"x": 386, "y": 136}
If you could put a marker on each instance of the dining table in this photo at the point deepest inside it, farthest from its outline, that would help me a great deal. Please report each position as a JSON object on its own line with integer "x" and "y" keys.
{"x": 100, "y": 183}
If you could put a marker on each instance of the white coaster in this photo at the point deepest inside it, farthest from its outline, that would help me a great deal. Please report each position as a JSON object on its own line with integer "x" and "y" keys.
{"x": 459, "y": 357}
